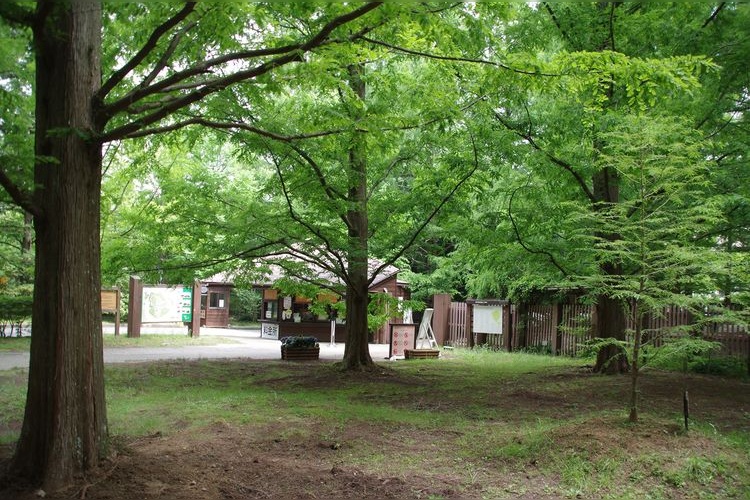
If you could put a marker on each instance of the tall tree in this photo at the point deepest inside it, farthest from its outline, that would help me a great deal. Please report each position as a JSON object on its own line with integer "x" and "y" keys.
{"x": 665, "y": 208}
{"x": 163, "y": 76}
{"x": 606, "y": 74}
{"x": 350, "y": 202}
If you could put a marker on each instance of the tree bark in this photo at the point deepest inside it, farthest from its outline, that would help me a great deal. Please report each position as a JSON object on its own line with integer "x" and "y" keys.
{"x": 64, "y": 431}
{"x": 611, "y": 322}
{"x": 27, "y": 245}
{"x": 357, "y": 351}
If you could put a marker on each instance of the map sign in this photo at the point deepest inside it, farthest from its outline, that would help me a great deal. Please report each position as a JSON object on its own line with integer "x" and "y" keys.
{"x": 167, "y": 304}
{"x": 488, "y": 319}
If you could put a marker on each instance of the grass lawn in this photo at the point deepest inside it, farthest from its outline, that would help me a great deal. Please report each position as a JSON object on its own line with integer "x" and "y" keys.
{"x": 20, "y": 344}
{"x": 470, "y": 425}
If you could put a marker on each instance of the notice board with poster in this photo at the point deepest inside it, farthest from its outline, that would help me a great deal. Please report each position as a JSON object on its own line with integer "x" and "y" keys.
{"x": 402, "y": 337}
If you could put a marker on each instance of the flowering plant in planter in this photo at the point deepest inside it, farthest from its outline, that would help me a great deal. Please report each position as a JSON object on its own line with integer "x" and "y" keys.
{"x": 300, "y": 348}
{"x": 299, "y": 341}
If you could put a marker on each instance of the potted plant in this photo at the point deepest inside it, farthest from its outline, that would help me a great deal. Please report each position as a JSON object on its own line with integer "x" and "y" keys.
{"x": 300, "y": 348}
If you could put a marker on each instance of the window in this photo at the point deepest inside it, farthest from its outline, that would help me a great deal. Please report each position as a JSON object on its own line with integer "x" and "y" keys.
{"x": 216, "y": 300}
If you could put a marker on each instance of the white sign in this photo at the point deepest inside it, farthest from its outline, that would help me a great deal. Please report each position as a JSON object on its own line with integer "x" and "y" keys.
{"x": 167, "y": 304}
{"x": 269, "y": 331}
{"x": 488, "y": 319}
{"x": 402, "y": 338}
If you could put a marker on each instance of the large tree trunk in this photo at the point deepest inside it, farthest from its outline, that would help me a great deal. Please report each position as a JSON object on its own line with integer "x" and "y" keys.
{"x": 611, "y": 324}
{"x": 610, "y": 311}
{"x": 357, "y": 351}
{"x": 65, "y": 426}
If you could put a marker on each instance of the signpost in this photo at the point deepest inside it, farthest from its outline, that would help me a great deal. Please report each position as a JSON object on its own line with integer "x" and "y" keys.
{"x": 110, "y": 298}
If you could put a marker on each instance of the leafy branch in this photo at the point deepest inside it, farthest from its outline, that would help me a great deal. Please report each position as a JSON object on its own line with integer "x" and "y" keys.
{"x": 281, "y": 56}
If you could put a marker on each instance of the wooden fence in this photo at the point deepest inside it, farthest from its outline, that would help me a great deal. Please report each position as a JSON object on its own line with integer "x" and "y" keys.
{"x": 563, "y": 328}
{"x": 458, "y": 325}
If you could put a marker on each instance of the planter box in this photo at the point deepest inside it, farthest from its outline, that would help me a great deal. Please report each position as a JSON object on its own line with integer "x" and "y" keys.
{"x": 421, "y": 353}
{"x": 300, "y": 353}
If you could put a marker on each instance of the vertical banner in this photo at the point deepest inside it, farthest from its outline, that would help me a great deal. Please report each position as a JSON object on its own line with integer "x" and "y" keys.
{"x": 402, "y": 338}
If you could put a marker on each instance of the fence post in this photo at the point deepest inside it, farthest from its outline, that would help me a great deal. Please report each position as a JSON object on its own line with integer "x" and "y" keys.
{"x": 507, "y": 326}
{"x": 522, "y": 322}
{"x": 557, "y": 319}
{"x": 135, "y": 306}
{"x": 441, "y": 304}
{"x": 467, "y": 329}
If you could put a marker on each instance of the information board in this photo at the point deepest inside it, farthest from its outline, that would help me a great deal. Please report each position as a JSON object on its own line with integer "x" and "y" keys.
{"x": 110, "y": 300}
{"x": 488, "y": 319}
{"x": 402, "y": 338}
{"x": 167, "y": 304}
{"x": 269, "y": 330}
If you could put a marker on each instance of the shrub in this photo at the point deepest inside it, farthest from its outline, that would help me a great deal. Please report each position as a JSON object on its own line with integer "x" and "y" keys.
{"x": 14, "y": 310}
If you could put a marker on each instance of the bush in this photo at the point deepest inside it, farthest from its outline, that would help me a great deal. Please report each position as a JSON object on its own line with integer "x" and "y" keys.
{"x": 14, "y": 310}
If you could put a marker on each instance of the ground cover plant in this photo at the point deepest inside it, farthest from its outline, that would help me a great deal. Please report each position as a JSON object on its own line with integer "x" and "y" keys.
{"x": 474, "y": 424}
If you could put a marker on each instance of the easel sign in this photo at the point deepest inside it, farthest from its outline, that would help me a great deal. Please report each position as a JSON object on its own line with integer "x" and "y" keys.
{"x": 402, "y": 338}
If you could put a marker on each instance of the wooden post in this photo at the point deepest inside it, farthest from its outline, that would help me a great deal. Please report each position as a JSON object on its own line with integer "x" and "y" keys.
{"x": 441, "y": 304}
{"x": 194, "y": 329}
{"x": 557, "y": 318}
{"x": 507, "y": 327}
{"x": 468, "y": 328}
{"x": 135, "y": 306}
{"x": 522, "y": 325}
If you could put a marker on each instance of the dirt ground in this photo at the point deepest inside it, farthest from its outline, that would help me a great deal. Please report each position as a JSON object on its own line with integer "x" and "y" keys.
{"x": 234, "y": 462}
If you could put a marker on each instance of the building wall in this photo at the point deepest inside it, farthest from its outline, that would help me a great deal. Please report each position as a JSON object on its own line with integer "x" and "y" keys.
{"x": 215, "y": 306}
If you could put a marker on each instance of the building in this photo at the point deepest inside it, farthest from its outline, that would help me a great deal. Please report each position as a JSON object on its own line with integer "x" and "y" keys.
{"x": 215, "y": 296}
{"x": 283, "y": 316}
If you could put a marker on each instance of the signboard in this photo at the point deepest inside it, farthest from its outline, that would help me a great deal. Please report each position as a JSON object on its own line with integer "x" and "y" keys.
{"x": 269, "y": 330}
{"x": 402, "y": 338}
{"x": 167, "y": 304}
{"x": 110, "y": 300}
{"x": 488, "y": 319}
